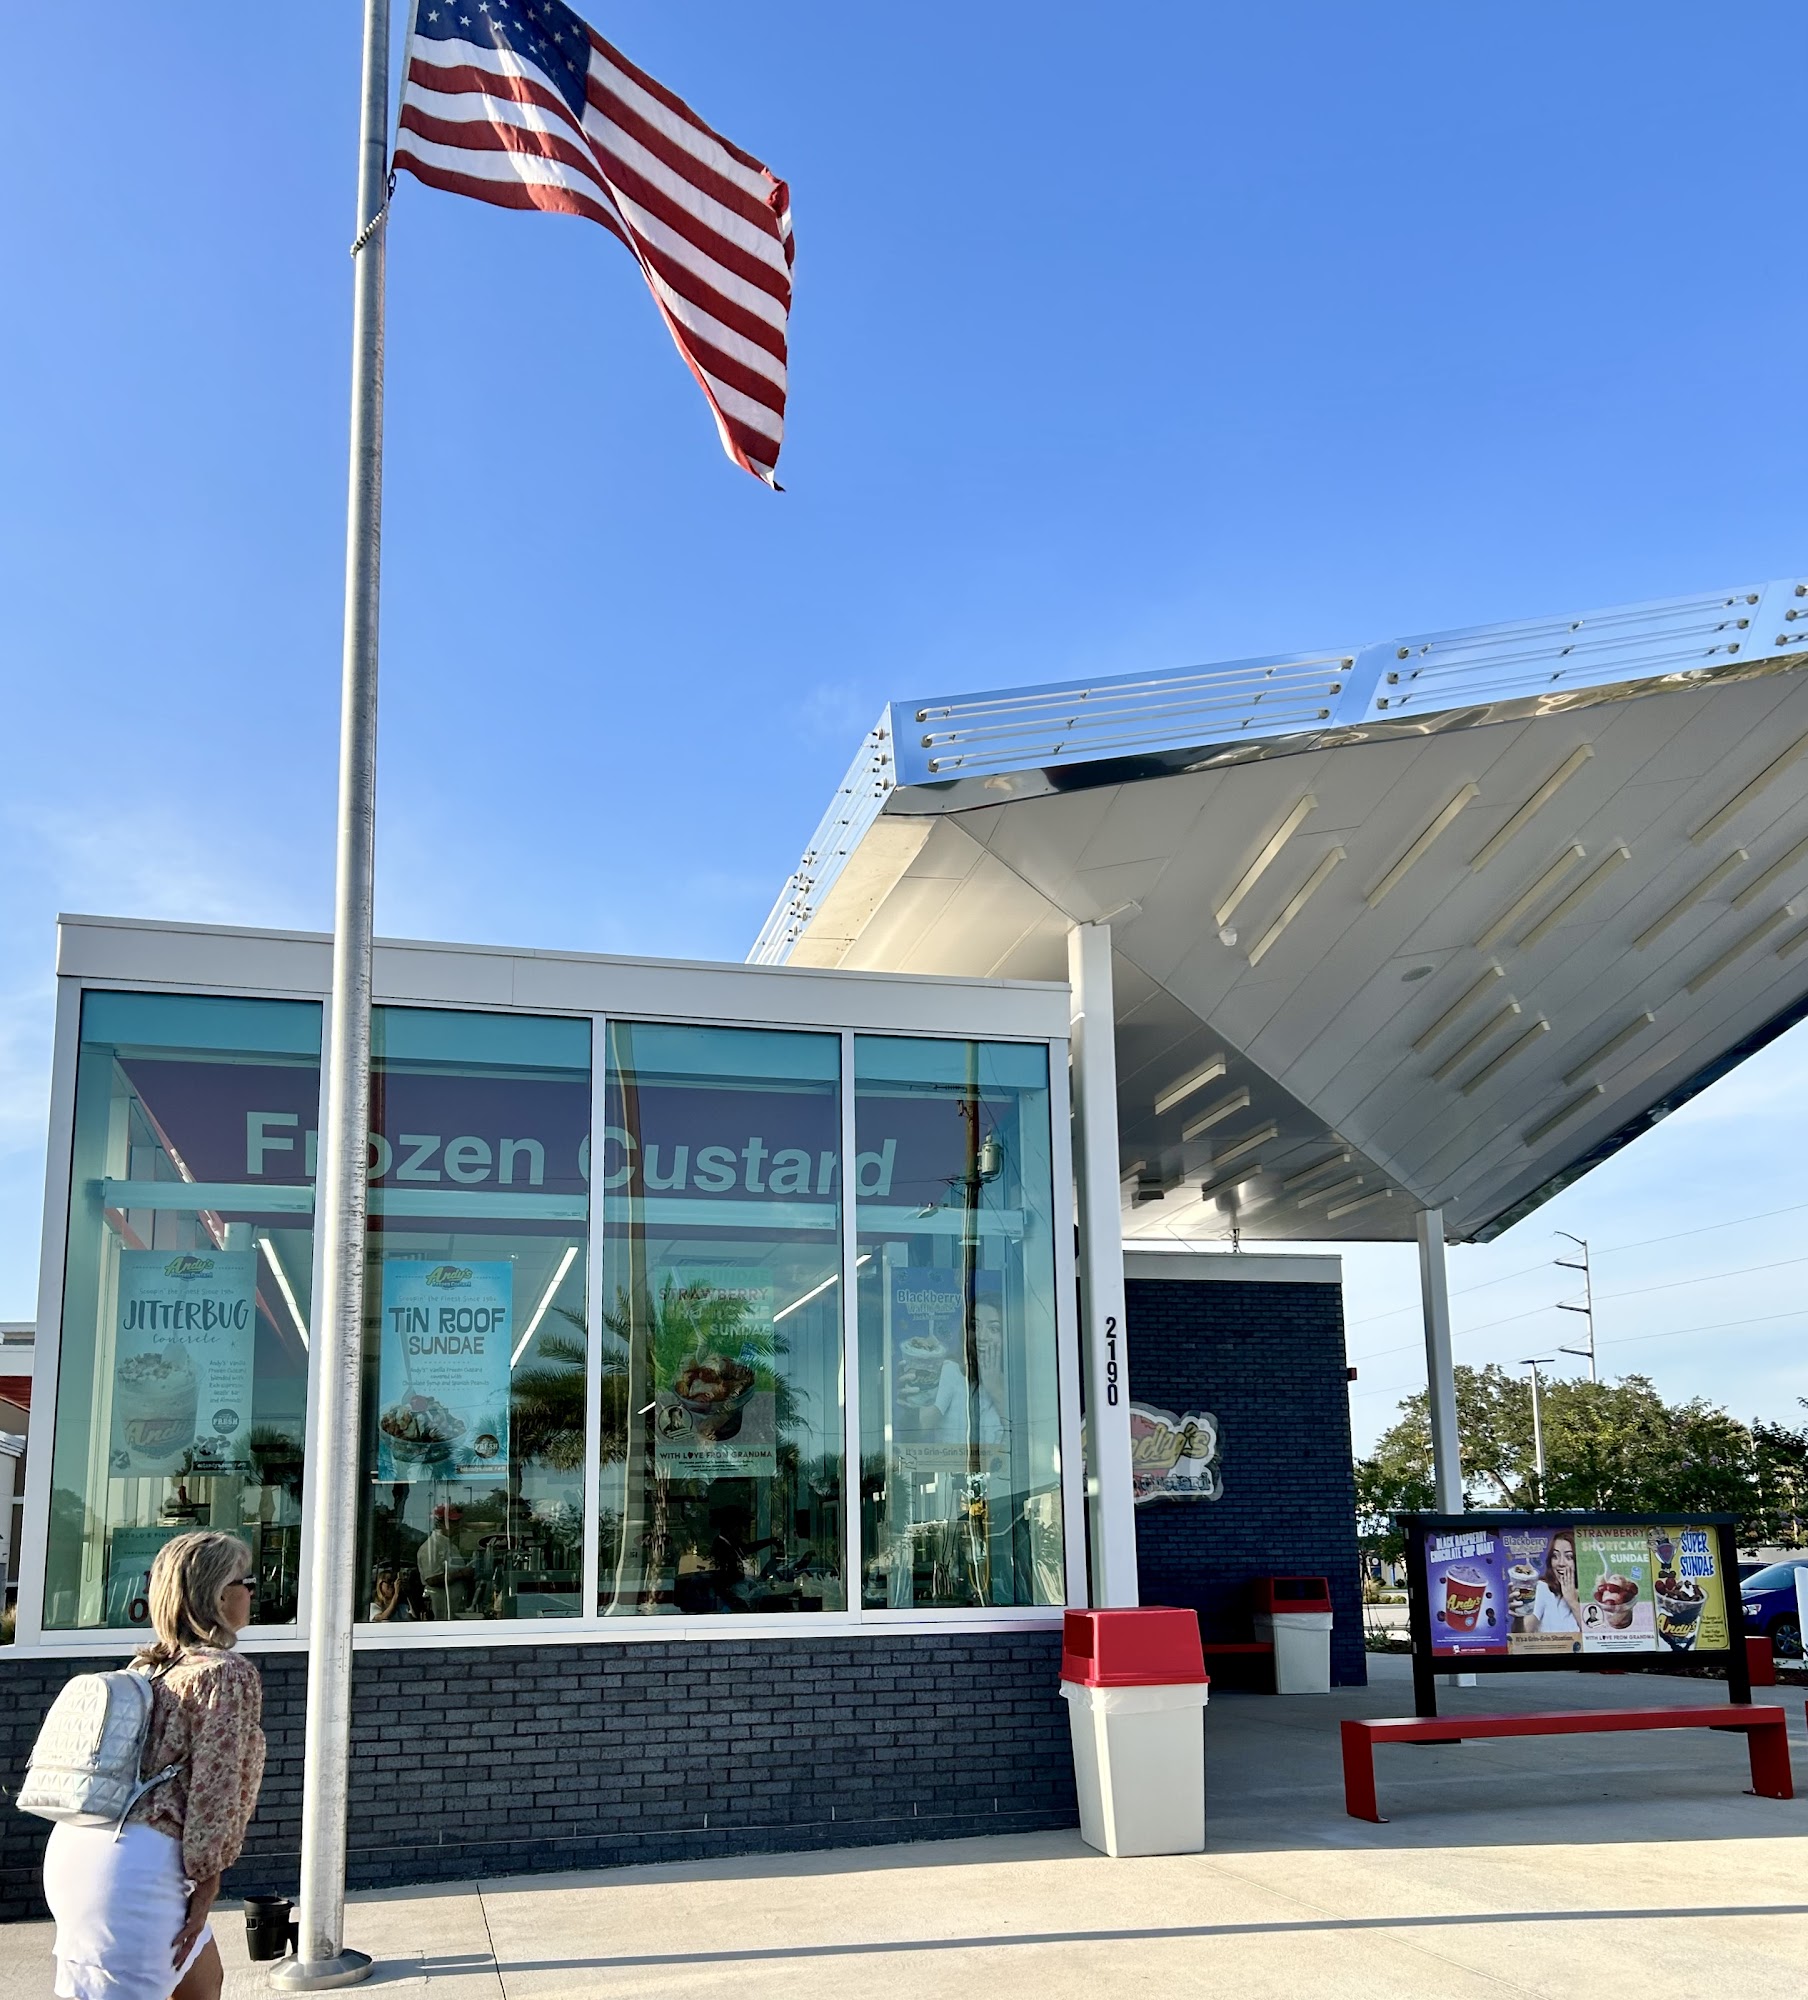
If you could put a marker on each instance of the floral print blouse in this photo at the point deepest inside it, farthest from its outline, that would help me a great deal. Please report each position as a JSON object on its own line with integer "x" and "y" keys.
{"x": 205, "y": 1718}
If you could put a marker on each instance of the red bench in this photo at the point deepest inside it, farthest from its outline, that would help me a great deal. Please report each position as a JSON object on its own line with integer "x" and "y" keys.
{"x": 1765, "y": 1731}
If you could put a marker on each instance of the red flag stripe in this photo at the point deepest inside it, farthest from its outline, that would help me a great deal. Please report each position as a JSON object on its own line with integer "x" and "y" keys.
{"x": 703, "y": 135}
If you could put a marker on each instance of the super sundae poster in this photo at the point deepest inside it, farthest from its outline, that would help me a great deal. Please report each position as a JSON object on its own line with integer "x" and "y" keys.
{"x": 1688, "y": 1592}
{"x": 182, "y": 1362}
{"x": 1466, "y": 1578}
{"x": 443, "y": 1372}
{"x": 715, "y": 1413}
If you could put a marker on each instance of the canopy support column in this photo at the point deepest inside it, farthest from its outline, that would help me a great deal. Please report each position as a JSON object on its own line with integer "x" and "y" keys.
{"x": 1110, "y": 1503}
{"x": 1440, "y": 1371}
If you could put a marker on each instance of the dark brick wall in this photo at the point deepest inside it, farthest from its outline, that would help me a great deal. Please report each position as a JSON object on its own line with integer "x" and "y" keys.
{"x": 1268, "y": 1361}
{"x": 503, "y": 1759}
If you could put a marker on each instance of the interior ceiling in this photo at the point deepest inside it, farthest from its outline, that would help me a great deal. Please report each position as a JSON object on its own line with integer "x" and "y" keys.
{"x": 1360, "y": 1038}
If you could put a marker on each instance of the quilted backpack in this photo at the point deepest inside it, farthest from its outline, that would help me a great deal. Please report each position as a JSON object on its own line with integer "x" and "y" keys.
{"x": 85, "y": 1764}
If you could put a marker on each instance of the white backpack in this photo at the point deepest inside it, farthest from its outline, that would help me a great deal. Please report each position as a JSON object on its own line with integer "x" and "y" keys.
{"x": 84, "y": 1768}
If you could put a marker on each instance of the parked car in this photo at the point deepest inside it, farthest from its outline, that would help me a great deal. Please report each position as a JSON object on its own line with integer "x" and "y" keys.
{"x": 1769, "y": 1601}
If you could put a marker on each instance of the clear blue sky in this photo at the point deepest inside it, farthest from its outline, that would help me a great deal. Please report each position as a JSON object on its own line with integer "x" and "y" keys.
{"x": 1124, "y": 337}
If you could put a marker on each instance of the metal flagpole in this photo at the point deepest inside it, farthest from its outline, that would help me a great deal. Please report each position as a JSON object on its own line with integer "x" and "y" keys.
{"x": 321, "y": 1958}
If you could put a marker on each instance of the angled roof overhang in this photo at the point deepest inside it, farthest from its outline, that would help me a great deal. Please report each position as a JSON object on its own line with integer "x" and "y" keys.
{"x": 1444, "y": 920}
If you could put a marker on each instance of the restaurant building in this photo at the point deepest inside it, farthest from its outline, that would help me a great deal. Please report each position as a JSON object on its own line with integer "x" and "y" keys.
{"x": 759, "y": 1358}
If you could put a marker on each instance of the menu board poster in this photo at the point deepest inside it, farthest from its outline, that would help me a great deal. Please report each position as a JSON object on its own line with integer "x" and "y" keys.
{"x": 130, "y": 1553}
{"x": 1688, "y": 1590}
{"x": 715, "y": 1398}
{"x": 443, "y": 1375}
{"x": 1544, "y": 1612}
{"x": 184, "y": 1341}
{"x": 1468, "y": 1597}
{"x": 1614, "y": 1573}
{"x": 938, "y": 1420}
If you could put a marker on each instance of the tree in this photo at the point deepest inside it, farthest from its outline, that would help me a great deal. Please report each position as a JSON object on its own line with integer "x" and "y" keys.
{"x": 1607, "y": 1445}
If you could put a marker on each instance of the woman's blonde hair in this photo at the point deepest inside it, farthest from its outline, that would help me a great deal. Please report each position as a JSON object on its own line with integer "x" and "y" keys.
{"x": 188, "y": 1577}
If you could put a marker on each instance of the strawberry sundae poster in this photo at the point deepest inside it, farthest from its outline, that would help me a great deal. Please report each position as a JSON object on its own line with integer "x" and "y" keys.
{"x": 1614, "y": 1584}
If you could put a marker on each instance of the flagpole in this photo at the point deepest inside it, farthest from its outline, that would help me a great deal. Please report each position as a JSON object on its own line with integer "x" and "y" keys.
{"x": 322, "y": 1959}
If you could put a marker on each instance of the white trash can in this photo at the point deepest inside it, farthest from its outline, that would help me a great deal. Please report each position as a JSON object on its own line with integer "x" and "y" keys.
{"x": 1294, "y": 1617}
{"x": 1135, "y": 1687}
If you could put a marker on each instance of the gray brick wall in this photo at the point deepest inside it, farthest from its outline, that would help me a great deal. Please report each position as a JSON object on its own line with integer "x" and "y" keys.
{"x": 1268, "y": 1361}
{"x": 505, "y": 1759}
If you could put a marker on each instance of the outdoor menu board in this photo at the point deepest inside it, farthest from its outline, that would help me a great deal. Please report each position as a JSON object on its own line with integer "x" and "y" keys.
{"x": 1512, "y": 1591}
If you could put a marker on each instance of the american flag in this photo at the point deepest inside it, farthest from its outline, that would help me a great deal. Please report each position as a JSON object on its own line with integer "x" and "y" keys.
{"x": 520, "y": 103}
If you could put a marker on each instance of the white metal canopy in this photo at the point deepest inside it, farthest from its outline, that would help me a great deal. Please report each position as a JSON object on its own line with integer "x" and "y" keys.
{"x": 1438, "y": 922}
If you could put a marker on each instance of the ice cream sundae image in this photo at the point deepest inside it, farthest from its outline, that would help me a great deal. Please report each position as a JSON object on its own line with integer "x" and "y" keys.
{"x": 920, "y": 1360}
{"x": 712, "y": 1390}
{"x": 1614, "y": 1595}
{"x": 1522, "y": 1590}
{"x": 420, "y": 1430}
{"x": 1680, "y": 1602}
{"x": 157, "y": 1394}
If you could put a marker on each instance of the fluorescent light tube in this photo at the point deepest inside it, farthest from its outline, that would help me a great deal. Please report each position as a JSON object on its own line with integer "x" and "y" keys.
{"x": 1531, "y": 897}
{"x": 1457, "y": 1057}
{"x": 1753, "y": 890}
{"x": 1791, "y": 945}
{"x": 546, "y": 1298}
{"x": 1615, "y": 858}
{"x": 1361, "y": 1201}
{"x": 1608, "y": 1049}
{"x": 1247, "y": 1144}
{"x": 282, "y": 1285}
{"x": 1690, "y": 897}
{"x": 1535, "y": 804}
{"x": 1265, "y": 859}
{"x": 1330, "y": 1193}
{"x": 816, "y": 1291}
{"x": 1215, "y": 1114}
{"x": 1525, "y": 1041}
{"x": 1450, "y": 1013}
{"x": 1714, "y": 969}
{"x": 1238, "y": 1177}
{"x": 1417, "y": 850}
{"x": 1742, "y": 798}
{"x": 1561, "y": 1116}
{"x": 1299, "y": 1180}
{"x": 1192, "y": 1081}
{"x": 1297, "y": 902}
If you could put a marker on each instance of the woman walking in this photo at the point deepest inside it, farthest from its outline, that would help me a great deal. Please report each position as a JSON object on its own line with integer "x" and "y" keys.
{"x": 131, "y": 1912}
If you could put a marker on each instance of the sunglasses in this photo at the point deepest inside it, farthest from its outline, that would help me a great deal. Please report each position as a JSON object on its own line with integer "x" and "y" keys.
{"x": 244, "y": 1583}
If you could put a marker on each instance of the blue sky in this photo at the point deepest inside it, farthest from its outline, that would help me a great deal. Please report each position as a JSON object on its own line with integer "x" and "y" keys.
{"x": 1123, "y": 338}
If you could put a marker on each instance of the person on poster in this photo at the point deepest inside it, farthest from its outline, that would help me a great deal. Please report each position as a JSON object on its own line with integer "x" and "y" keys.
{"x": 1555, "y": 1606}
{"x": 951, "y": 1389}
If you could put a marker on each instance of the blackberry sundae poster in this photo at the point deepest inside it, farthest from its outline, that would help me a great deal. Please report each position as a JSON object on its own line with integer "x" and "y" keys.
{"x": 184, "y": 1336}
{"x": 443, "y": 1376}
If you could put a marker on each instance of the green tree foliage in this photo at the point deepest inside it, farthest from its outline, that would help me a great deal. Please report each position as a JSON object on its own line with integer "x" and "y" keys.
{"x": 1612, "y": 1445}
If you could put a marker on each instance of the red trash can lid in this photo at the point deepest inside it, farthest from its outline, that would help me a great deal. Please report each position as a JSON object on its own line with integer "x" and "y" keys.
{"x": 1156, "y": 1645}
{"x": 1293, "y": 1593}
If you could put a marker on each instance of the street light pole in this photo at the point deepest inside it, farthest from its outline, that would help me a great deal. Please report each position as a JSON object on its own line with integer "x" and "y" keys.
{"x": 1541, "y": 1361}
{"x": 1587, "y": 1307}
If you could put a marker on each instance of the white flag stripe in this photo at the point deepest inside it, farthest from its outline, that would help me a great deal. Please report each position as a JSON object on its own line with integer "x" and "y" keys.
{"x": 732, "y": 228}
{"x": 757, "y": 416}
{"x": 477, "y": 55}
{"x": 708, "y": 151}
{"x": 473, "y": 107}
{"x": 721, "y": 280}
{"x": 736, "y": 346}
{"x": 488, "y": 166}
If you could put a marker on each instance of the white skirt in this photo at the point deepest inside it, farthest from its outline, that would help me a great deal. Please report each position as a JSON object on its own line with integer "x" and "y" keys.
{"x": 119, "y": 1905}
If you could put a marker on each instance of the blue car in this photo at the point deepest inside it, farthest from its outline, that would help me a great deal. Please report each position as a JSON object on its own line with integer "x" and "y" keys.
{"x": 1768, "y": 1596}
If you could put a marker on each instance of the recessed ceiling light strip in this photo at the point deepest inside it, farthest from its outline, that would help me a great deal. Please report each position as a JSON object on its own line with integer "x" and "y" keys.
{"x": 1330, "y": 1193}
{"x": 1690, "y": 897}
{"x": 1265, "y": 859}
{"x": 1457, "y": 1057}
{"x": 1608, "y": 1049}
{"x": 1417, "y": 850}
{"x": 1459, "y": 1007}
{"x": 1533, "y": 896}
{"x": 1513, "y": 1048}
{"x": 1741, "y": 799}
{"x": 1247, "y": 1144}
{"x": 1361, "y": 1201}
{"x": 1195, "y": 1079}
{"x": 1237, "y": 1177}
{"x": 1295, "y": 903}
{"x": 1299, "y": 1180}
{"x": 1561, "y": 1116}
{"x": 1777, "y": 869}
{"x": 1733, "y": 951}
{"x": 1792, "y": 945}
{"x": 1616, "y": 857}
{"x": 1215, "y": 1114}
{"x": 1535, "y": 804}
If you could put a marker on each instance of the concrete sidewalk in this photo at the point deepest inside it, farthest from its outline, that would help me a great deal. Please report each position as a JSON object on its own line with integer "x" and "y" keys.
{"x": 1627, "y": 1865}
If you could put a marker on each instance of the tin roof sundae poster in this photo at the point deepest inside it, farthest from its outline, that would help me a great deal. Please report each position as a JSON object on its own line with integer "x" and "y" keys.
{"x": 443, "y": 1376}
{"x": 1554, "y": 1586}
{"x": 184, "y": 1340}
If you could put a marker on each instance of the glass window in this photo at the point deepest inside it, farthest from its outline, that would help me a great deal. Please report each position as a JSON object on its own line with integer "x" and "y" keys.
{"x": 182, "y": 1381}
{"x": 722, "y": 1429}
{"x": 959, "y": 1414}
{"x": 474, "y": 1354}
